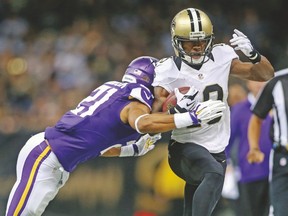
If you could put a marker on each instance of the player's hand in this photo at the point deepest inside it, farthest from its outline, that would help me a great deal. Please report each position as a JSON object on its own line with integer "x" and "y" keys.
{"x": 185, "y": 102}
{"x": 207, "y": 111}
{"x": 146, "y": 143}
{"x": 141, "y": 147}
{"x": 255, "y": 156}
{"x": 241, "y": 42}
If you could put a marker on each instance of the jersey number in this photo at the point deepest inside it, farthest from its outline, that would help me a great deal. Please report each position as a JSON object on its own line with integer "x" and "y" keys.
{"x": 214, "y": 92}
{"x": 88, "y": 105}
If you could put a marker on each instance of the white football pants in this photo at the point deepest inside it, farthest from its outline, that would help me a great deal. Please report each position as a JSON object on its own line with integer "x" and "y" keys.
{"x": 39, "y": 178}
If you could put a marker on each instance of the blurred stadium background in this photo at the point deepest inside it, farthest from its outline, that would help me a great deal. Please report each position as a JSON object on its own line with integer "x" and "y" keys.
{"x": 52, "y": 53}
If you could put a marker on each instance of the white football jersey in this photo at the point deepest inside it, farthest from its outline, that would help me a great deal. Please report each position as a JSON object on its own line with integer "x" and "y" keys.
{"x": 212, "y": 82}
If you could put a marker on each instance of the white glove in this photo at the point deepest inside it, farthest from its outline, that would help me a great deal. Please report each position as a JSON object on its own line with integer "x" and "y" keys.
{"x": 141, "y": 147}
{"x": 204, "y": 112}
{"x": 209, "y": 110}
{"x": 185, "y": 102}
{"x": 241, "y": 42}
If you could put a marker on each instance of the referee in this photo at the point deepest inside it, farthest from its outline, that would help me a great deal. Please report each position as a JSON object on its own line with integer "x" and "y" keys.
{"x": 274, "y": 96}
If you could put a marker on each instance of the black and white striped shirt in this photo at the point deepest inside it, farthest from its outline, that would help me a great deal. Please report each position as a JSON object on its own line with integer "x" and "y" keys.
{"x": 275, "y": 96}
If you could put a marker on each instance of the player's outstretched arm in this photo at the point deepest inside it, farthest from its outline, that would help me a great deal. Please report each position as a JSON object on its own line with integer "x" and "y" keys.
{"x": 260, "y": 69}
{"x": 145, "y": 144}
{"x": 202, "y": 113}
{"x": 163, "y": 122}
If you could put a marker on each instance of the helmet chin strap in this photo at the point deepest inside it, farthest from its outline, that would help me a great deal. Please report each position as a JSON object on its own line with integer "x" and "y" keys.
{"x": 190, "y": 60}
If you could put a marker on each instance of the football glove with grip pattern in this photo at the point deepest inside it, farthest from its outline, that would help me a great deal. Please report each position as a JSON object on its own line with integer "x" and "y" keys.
{"x": 141, "y": 147}
{"x": 202, "y": 113}
{"x": 241, "y": 42}
{"x": 208, "y": 110}
{"x": 185, "y": 102}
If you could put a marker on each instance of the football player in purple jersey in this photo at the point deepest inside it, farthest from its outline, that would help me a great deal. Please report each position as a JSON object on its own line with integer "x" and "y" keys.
{"x": 109, "y": 122}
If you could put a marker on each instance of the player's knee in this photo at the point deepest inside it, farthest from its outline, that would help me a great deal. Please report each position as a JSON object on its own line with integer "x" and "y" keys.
{"x": 37, "y": 207}
{"x": 30, "y": 209}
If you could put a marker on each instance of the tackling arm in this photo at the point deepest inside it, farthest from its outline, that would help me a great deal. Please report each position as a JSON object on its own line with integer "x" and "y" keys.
{"x": 149, "y": 123}
{"x": 163, "y": 122}
{"x": 137, "y": 116}
{"x": 156, "y": 122}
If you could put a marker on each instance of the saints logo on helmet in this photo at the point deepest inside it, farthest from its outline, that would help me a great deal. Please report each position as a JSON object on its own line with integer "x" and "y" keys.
{"x": 192, "y": 25}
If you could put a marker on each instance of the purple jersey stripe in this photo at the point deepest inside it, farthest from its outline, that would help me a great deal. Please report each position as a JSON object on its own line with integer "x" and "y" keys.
{"x": 29, "y": 173}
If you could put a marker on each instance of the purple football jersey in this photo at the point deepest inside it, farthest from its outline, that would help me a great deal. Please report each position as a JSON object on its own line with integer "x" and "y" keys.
{"x": 95, "y": 125}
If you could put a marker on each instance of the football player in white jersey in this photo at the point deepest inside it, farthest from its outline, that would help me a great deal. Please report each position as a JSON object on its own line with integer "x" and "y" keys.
{"x": 196, "y": 153}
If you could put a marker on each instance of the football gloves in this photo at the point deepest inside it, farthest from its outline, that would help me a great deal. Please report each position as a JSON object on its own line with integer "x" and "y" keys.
{"x": 207, "y": 111}
{"x": 185, "y": 102}
{"x": 141, "y": 147}
{"x": 202, "y": 113}
{"x": 241, "y": 42}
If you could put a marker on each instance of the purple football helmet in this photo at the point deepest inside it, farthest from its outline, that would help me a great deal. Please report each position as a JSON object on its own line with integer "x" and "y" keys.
{"x": 141, "y": 70}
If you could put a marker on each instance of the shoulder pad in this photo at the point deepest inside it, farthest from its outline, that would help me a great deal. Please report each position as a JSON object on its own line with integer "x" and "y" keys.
{"x": 223, "y": 50}
{"x": 164, "y": 64}
{"x": 143, "y": 94}
{"x": 166, "y": 71}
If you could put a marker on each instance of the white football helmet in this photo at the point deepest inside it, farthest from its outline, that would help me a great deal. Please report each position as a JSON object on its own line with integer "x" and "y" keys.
{"x": 192, "y": 25}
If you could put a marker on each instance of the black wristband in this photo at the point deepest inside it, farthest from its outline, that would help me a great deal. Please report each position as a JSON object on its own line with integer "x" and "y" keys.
{"x": 255, "y": 56}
